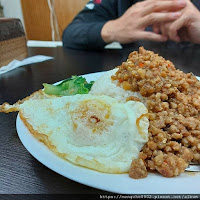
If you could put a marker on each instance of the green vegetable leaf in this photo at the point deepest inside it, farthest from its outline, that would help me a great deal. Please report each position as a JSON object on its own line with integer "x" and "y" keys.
{"x": 70, "y": 86}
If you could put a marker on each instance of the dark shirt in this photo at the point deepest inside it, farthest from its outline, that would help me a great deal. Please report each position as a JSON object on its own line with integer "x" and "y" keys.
{"x": 84, "y": 32}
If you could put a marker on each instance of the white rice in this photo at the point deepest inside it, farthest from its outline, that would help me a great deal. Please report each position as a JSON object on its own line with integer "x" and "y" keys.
{"x": 106, "y": 86}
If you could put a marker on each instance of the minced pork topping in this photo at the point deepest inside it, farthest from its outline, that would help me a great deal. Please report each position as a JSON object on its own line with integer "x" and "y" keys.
{"x": 173, "y": 101}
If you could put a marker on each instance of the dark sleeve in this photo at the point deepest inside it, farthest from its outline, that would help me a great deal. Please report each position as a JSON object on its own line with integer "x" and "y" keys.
{"x": 84, "y": 32}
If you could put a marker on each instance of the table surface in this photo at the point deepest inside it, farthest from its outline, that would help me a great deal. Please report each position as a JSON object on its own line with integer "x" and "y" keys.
{"x": 20, "y": 173}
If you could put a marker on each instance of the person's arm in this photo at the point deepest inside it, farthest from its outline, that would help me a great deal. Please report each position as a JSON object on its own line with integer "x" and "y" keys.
{"x": 85, "y": 30}
{"x": 94, "y": 28}
{"x": 131, "y": 26}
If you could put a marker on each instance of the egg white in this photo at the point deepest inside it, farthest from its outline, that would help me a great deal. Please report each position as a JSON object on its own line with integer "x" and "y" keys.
{"x": 96, "y": 132}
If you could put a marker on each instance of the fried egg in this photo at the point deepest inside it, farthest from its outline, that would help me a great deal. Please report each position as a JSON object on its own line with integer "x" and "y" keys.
{"x": 97, "y": 132}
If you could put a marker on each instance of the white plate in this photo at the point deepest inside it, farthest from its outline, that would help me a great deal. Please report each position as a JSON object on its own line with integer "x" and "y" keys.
{"x": 186, "y": 183}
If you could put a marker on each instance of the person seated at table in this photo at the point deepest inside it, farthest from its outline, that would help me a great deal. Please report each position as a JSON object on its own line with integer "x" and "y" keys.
{"x": 126, "y": 21}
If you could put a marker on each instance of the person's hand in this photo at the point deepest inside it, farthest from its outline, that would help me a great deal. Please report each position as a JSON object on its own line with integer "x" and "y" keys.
{"x": 185, "y": 28}
{"x": 131, "y": 25}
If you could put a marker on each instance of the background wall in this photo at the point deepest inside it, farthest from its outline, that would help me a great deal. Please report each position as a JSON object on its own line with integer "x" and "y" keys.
{"x": 12, "y": 9}
{"x": 36, "y": 17}
{"x": 41, "y": 24}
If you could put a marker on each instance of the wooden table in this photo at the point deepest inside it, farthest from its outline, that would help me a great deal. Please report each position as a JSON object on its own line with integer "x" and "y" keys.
{"x": 20, "y": 173}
